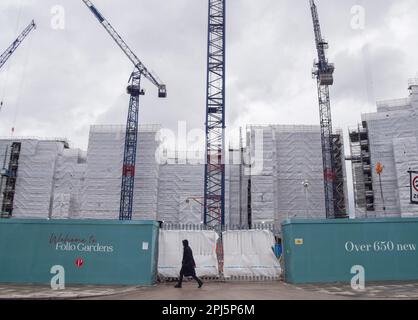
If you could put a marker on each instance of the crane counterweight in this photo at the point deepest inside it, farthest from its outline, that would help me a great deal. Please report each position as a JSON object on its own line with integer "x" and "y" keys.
{"x": 162, "y": 91}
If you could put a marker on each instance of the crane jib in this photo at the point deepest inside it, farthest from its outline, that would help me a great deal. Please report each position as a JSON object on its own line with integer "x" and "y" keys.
{"x": 97, "y": 14}
{"x": 9, "y": 51}
{"x": 125, "y": 48}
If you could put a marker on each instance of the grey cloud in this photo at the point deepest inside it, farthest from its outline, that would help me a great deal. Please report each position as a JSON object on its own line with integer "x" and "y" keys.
{"x": 77, "y": 76}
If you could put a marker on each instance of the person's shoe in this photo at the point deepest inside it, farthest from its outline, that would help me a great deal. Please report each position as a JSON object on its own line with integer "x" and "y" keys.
{"x": 200, "y": 284}
{"x": 178, "y": 286}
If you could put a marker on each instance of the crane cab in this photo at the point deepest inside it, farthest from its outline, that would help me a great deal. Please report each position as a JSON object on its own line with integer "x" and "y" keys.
{"x": 162, "y": 91}
{"x": 326, "y": 79}
{"x": 326, "y": 76}
{"x": 135, "y": 90}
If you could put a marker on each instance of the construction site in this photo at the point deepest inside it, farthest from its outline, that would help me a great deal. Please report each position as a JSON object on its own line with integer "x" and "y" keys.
{"x": 387, "y": 136}
{"x": 261, "y": 209}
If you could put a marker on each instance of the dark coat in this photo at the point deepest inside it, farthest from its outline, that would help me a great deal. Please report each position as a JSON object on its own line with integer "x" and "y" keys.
{"x": 188, "y": 265}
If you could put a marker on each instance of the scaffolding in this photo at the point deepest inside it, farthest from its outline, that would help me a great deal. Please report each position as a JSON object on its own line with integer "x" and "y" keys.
{"x": 64, "y": 141}
{"x": 412, "y": 83}
{"x": 413, "y": 88}
{"x": 340, "y": 207}
{"x": 11, "y": 177}
{"x": 362, "y": 168}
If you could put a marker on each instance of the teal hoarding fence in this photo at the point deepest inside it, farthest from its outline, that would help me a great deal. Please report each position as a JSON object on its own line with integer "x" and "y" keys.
{"x": 326, "y": 251}
{"x": 89, "y": 251}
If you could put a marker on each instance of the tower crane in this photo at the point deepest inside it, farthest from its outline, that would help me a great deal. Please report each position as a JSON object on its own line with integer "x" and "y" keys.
{"x": 131, "y": 137}
{"x": 323, "y": 72}
{"x": 12, "y": 48}
{"x": 214, "y": 188}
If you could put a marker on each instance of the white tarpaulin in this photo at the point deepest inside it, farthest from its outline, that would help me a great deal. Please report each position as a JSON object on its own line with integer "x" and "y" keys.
{"x": 283, "y": 157}
{"x": 203, "y": 244}
{"x": 249, "y": 253}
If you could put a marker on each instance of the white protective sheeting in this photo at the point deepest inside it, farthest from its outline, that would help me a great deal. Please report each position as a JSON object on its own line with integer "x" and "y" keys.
{"x": 263, "y": 174}
{"x": 101, "y": 196}
{"x": 203, "y": 244}
{"x": 68, "y": 184}
{"x": 236, "y": 191}
{"x": 249, "y": 253}
{"x": 285, "y": 157}
{"x": 387, "y": 131}
{"x": 406, "y": 159}
{"x": 35, "y": 176}
{"x": 393, "y": 138}
{"x": 179, "y": 185}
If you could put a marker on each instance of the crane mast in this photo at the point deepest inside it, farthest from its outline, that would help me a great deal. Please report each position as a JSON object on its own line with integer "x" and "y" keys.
{"x": 131, "y": 136}
{"x": 323, "y": 72}
{"x": 12, "y": 48}
{"x": 214, "y": 188}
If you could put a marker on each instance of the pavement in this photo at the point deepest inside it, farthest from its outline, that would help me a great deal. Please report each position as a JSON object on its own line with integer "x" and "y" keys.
{"x": 38, "y": 292}
{"x": 387, "y": 290}
{"x": 217, "y": 291}
{"x": 224, "y": 291}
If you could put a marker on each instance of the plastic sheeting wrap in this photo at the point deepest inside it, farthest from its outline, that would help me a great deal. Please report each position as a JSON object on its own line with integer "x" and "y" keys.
{"x": 385, "y": 130}
{"x": 61, "y": 206}
{"x": 291, "y": 155}
{"x": 263, "y": 174}
{"x": 249, "y": 253}
{"x": 178, "y": 185}
{"x": 393, "y": 138}
{"x": 35, "y": 176}
{"x": 406, "y": 158}
{"x": 69, "y": 184}
{"x": 203, "y": 244}
{"x": 101, "y": 197}
{"x": 236, "y": 193}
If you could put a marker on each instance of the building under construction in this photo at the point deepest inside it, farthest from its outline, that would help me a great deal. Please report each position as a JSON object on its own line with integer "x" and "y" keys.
{"x": 276, "y": 174}
{"x": 387, "y": 137}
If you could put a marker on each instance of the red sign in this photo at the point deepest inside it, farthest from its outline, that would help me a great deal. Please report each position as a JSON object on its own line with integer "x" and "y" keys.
{"x": 415, "y": 184}
{"x": 79, "y": 263}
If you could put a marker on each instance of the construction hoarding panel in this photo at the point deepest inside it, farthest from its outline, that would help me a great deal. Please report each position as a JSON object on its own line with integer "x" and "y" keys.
{"x": 326, "y": 251}
{"x": 90, "y": 252}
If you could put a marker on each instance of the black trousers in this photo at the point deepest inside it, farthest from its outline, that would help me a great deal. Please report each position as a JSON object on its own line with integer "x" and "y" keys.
{"x": 193, "y": 275}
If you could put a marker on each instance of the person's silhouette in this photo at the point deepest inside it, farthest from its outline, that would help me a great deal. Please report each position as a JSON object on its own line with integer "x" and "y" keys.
{"x": 188, "y": 266}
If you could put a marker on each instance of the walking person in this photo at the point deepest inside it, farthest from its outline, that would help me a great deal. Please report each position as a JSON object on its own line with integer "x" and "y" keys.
{"x": 188, "y": 266}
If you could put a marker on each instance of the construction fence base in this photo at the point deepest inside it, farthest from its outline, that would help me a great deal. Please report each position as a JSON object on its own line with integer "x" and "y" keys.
{"x": 223, "y": 279}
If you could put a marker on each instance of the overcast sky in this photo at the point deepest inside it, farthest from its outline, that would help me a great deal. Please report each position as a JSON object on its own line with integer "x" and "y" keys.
{"x": 61, "y": 81}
